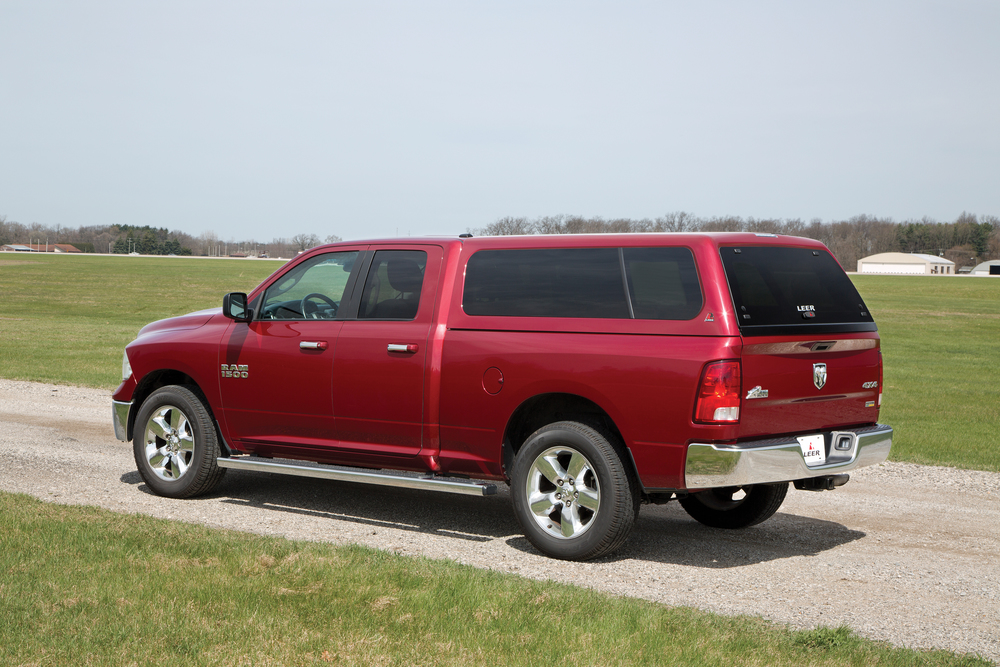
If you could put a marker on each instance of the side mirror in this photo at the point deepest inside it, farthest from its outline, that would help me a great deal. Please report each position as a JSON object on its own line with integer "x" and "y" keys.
{"x": 234, "y": 306}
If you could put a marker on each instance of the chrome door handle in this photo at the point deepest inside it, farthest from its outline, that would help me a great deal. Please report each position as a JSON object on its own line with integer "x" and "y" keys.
{"x": 312, "y": 345}
{"x": 401, "y": 347}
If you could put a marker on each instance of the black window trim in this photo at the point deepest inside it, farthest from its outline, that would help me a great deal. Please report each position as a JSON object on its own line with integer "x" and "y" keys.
{"x": 363, "y": 265}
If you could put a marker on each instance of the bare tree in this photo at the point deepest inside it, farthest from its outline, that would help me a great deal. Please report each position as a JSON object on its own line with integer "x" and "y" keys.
{"x": 507, "y": 227}
{"x": 5, "y": 232}
{"x": 676, "y": 222}
{"x": 208, "y": 243}
{"x": 302, "y": 242}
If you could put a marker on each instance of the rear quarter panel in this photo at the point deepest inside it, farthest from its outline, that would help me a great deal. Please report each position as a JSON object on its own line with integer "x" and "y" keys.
{"x": 646, "y": 384}
{"x": 642, "y": 373}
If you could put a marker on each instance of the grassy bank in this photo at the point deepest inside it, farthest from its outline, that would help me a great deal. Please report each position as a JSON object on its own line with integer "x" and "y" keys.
{"x": 940, "y": 340}
{"x": 85, "y": 586}
{"x": 66, "y": 319}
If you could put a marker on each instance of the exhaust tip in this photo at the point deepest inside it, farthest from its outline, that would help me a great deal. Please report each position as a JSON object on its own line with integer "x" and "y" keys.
{"x": 827, "y": 483}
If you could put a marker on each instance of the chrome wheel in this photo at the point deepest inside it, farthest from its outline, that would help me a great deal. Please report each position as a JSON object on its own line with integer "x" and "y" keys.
{"x": 563, "y": 493}
{"x": 572, "y": 494}
{"x": 168, "y": 441}
{"x": 175, "y": 445}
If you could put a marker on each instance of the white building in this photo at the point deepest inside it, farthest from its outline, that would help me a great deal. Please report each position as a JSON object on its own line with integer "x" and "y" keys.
{"x": 990, "y": 268}
{"x": 903, "y": 263}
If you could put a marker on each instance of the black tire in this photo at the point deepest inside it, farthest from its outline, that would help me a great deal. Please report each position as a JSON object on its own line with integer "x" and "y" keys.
{"x": 723, "y": 508}
{"x": 584, "y": 462}
{"x": 175, "y": 443}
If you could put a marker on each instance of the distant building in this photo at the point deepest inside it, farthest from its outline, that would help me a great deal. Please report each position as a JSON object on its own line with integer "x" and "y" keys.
{"x": 990, "y": 268}
{"x": 39, "y": 247}
{"x": 903, "y": 263}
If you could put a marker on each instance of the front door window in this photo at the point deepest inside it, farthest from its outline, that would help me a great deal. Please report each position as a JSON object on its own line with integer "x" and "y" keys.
{"x": 312, "y": 290}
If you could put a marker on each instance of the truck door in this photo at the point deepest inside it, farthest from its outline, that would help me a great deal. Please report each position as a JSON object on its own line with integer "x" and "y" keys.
{"x": 277, "y": 370}
{"x": 379, "y": 371}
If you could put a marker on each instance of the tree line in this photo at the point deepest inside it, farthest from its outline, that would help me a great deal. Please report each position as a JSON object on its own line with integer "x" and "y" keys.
{"x": 146, "y": 240}
{"x": 966, "y": 241}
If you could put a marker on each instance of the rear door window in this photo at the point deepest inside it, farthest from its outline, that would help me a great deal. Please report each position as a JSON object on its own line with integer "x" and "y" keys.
{"x": 778, "y": 290}
{"x": 392, "y": 289}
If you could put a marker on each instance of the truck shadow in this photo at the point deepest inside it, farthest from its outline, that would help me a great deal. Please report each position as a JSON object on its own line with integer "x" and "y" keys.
{"x": 666, "y": 534}
{"x": 662, "y": 534}
{"x": 468, "y": 518}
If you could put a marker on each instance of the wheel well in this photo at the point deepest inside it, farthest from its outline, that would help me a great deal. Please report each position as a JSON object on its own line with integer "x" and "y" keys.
{"x": 153, "y": 381}
{"x": 544, "y": 409}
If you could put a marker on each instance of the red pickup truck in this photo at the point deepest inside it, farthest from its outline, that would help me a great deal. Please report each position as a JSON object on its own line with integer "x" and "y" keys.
{"x": 592, "y": 373}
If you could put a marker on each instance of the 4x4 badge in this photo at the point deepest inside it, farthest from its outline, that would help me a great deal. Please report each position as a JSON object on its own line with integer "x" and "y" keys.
{"x": 819, "y": 375}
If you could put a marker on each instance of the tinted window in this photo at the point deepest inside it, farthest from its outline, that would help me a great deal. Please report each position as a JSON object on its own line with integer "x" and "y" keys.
{"x": 583, "y": 282}
{"x": 578, "y": 282}
{"x": 663, "y": 283}
{"x": 392, "y": 288}
{"x": 311, "y": 290}
{"x": 778, "y": 288}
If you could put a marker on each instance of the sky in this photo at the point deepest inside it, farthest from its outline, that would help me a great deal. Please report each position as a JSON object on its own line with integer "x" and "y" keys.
{"x": 257, "y": 120}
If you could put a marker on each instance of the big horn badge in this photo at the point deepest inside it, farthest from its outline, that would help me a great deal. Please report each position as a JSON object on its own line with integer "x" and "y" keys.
{"x": 819, "y": 375}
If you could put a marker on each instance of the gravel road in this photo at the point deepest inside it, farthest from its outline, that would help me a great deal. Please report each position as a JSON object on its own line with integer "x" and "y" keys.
{"x": 904, "y": 553}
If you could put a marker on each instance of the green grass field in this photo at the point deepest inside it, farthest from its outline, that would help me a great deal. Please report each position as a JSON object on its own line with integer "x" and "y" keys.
{"x": 83, "y": 586}
{"x": 86, "y": 586}
{"x": 940, "y": 338}
{"x": 66, "y": 320}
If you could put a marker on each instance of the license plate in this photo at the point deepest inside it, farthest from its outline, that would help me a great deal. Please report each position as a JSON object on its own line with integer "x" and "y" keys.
{"x": 813, "y": 449}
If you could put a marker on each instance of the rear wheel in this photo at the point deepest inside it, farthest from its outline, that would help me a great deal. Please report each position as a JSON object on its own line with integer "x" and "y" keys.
{"x": 735, "y": 506}
{"x": 175, "y": 444}
{"x": 572, "y": 494}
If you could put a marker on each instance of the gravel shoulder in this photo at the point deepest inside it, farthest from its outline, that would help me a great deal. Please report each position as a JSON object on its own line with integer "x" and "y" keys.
{"x": 903, "y": 553}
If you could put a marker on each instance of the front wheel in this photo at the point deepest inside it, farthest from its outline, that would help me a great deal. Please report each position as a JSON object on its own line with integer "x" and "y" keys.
{"x": 175, "y": 444}
{"x": 572, "y": 494}
{"x": 735, "y": 506}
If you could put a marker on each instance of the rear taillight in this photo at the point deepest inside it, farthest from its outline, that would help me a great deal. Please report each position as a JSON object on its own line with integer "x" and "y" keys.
{"x": 719, "y": 394}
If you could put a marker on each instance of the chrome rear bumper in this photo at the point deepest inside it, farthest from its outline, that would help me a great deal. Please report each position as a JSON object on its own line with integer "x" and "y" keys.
{"x": 780, "y": 460}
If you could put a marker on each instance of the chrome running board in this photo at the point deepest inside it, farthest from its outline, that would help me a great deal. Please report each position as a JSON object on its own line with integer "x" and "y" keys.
{"x": 399, "y": 480}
